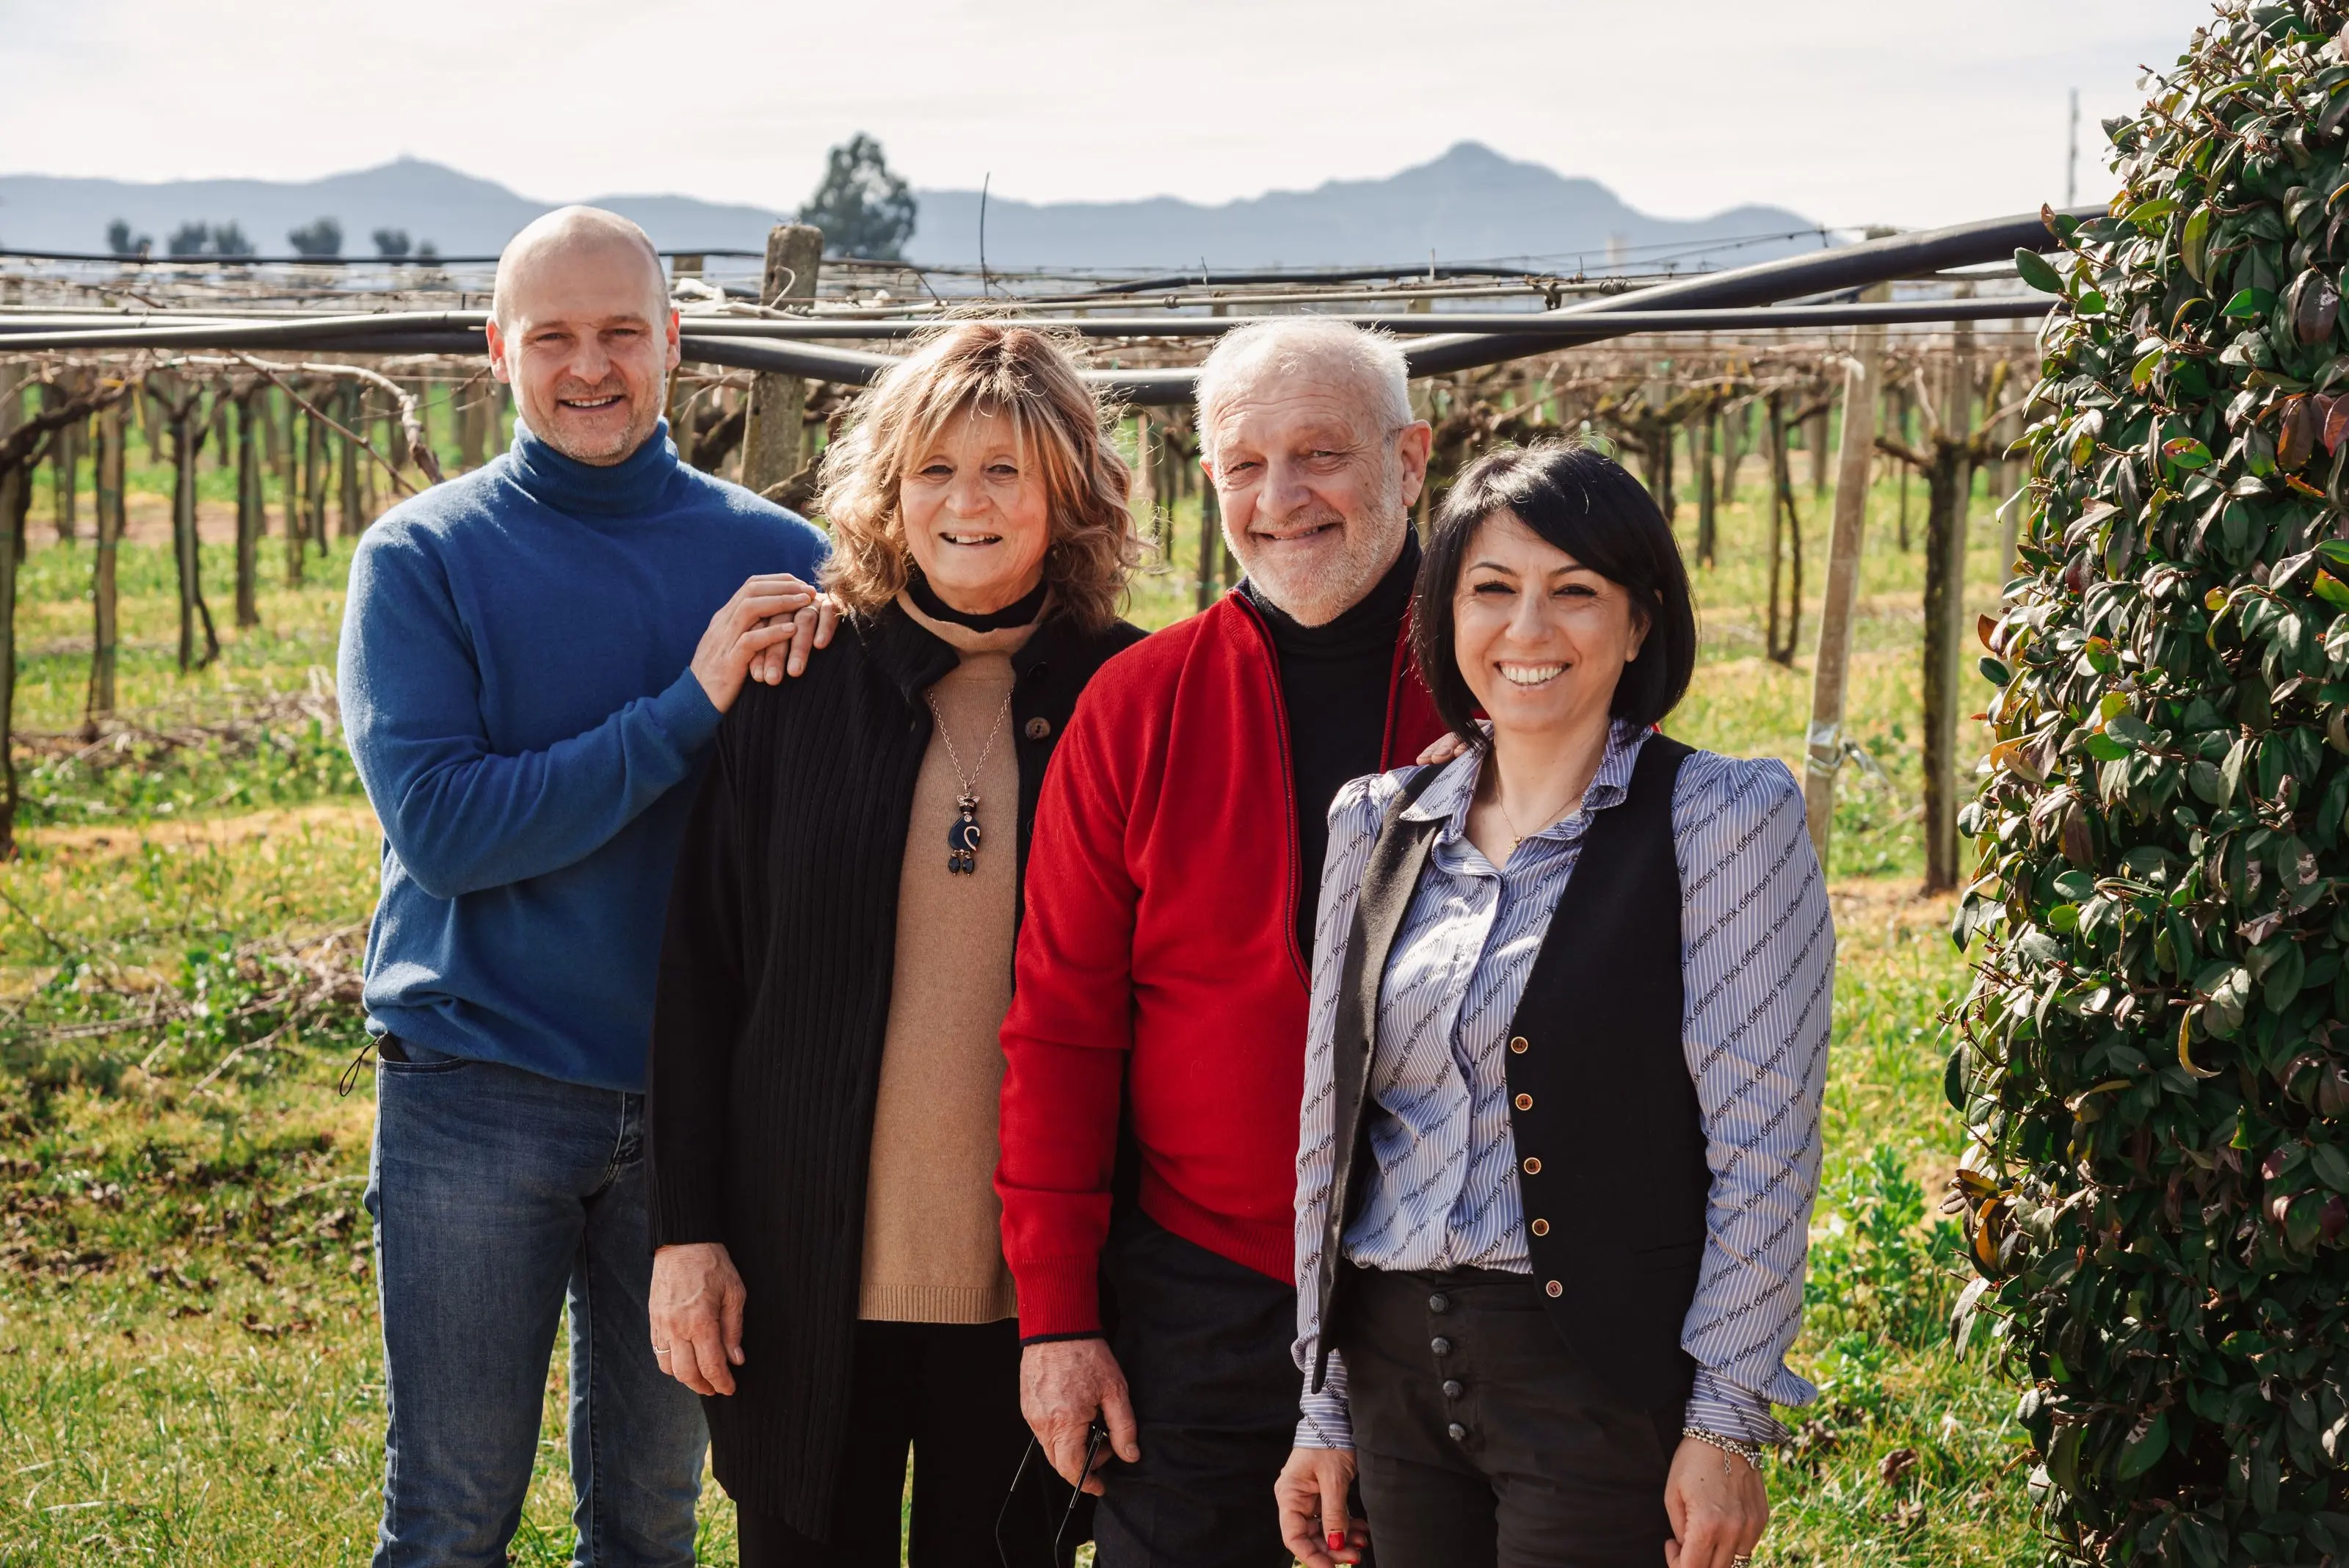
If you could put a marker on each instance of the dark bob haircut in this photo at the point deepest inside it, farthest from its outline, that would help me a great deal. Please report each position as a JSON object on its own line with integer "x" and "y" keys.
{"x": 1586, "y": 504}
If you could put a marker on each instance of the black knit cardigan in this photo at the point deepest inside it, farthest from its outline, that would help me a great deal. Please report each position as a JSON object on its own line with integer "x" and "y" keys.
{"x": 774, "y": 997}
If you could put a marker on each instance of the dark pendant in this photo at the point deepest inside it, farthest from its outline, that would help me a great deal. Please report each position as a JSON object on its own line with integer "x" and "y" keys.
{"x": 962, "y": 838}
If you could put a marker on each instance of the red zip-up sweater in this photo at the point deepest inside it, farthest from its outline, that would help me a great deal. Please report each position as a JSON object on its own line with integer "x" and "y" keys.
{"x": 1159, "y": 956}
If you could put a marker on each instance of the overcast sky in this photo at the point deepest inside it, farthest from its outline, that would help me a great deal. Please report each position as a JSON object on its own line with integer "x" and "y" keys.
{"x": 1849, "y": 112}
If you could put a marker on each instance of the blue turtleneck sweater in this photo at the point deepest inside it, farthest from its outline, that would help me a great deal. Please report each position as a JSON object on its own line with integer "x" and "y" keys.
{"x": 516, "y": 694}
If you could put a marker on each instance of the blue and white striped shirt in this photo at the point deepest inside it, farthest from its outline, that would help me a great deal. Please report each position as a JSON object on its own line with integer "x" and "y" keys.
{"x": 1757, "y": 951}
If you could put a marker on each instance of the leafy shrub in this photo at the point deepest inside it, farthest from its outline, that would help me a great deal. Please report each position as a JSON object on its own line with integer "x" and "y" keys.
{"x": 2153, "y": 1066}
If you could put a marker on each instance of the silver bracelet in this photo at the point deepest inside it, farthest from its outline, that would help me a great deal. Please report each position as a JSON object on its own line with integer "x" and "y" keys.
{"x": 1749, "y": 1452}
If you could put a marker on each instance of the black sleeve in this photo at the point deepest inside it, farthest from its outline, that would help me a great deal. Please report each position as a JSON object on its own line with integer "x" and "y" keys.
{"x": 698, "y": 1009}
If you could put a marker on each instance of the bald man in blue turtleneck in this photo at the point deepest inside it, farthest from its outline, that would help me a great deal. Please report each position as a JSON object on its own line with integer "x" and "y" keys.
{"x": 530, "y": 670}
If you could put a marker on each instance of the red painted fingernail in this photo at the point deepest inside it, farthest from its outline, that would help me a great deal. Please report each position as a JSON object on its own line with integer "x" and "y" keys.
{"x": 1337, "y": 1540}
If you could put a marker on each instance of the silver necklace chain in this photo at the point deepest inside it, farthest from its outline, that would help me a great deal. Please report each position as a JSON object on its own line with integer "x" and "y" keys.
{"x": 969, "y": 781}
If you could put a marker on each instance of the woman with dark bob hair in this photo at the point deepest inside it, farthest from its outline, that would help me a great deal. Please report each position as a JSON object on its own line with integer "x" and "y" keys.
{"x": 825, "y": 1071}
{"x": 1560, "y": 1130}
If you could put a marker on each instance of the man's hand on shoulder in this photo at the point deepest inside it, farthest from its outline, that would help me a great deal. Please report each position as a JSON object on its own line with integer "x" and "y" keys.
{"x": 1062, "y": 1383}
{"x": 811, "y": 628}
{"x": 766, "y": 612}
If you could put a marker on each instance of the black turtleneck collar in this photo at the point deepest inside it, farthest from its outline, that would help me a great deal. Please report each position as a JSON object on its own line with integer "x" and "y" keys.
{"x": 1369, "y": 624}
{"x": 1336, "y": 680}
{"x": 1021, "y": 612}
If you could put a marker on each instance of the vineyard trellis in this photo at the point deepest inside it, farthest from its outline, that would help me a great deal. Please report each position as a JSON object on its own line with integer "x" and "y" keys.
{"x": 332, "y": 392}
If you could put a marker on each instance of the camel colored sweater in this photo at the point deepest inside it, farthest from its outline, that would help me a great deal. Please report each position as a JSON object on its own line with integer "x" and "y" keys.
{"x": 933, "y": 1225}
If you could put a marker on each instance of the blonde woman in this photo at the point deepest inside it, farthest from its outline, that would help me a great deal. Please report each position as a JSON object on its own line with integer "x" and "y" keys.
{"x": 825, "y": 1068}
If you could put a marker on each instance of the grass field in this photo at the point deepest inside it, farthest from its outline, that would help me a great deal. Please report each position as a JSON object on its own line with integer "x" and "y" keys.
{"x": 188, "y": 1360}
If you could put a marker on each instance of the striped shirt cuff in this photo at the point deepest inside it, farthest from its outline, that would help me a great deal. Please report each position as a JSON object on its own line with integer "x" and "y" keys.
{"x": 1719, "y": 1406}
{"x": 1322, "y": 1419}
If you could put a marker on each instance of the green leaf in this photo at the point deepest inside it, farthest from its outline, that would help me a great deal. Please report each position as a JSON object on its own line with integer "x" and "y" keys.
{"x": 2333, "y": 550}
{"x": 2193, "y": 244}
{"x": 2331, "y": 590}
{"x": 2143, "y": 1449}
{"x": 2185, "y": 452}
{"x": 2036, "y": 272}
{"x": 2104, "y": 748}
{"x": 2332, "y": 1167}
{"x": 2250, "y": 304}
{"x": 2063, "y": 918}
{"x": 1994, "y": 673}
{"x": 2148, "y": 215}
{"x": 2091, "y": 303}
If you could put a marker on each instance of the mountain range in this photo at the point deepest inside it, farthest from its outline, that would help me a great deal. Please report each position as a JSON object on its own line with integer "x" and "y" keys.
{"x": 1470, "y": 204}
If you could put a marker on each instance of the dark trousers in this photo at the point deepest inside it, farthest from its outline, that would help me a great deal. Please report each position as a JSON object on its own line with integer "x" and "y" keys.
{"x": 1205, "y": 1345}
{"x": 1483, "y": 1439}
{"x": 951, "y": 1392}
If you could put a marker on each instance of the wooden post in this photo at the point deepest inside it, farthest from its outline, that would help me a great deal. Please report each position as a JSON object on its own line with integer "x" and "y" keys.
{"x": 1142, "y": 480}
{"x": 347, "y": 413}
{"x": 1945, "y": 599}
{"x": 473, "y": 426}
{"x": 1211, "y": 539}
{"x": 248, "y": 508}
{"x": 1781, "y": 496}
{"x": 1704, "y": 436}
{"x": 681, "y": 409}
{"x": 1815, "y": 437}
{"x": 1734, "y": 432}
{"x": 316, "y": 460}
{"x": 189, "y": 429}
{"x": 107, "y": 477}
{"x": 289, "y": 483}
{"x": 362, "y": 423}
{"x": 1831, "y": 670}
{"x": 65, "y": 460}
{"x": 771, "y": 437}
{"x": 15, "y": 486}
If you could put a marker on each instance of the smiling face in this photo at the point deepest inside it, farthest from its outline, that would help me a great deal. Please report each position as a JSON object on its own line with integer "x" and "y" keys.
{"x": 976, "y": 513}
{"x": 1316, "y": 490}
{"x": 1541, "y": 641}
{"x": 584, "y": 334}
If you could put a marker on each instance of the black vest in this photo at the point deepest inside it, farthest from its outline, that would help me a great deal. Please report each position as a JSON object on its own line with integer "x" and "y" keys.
{"x": 1610, "y": 1136}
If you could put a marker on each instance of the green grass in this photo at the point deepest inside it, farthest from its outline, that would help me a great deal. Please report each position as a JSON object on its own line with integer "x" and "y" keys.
{"x": 188, "y": 1362}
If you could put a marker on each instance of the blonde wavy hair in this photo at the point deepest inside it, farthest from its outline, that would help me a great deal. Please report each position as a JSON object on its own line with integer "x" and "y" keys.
{"x": 994, "y": 367}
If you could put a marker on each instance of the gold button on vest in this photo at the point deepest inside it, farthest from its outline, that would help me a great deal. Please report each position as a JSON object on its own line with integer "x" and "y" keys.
{"x": 1539, "y": 1227}
{"x": 1533, "y": 1165}
{"x": 1517, "y": 1044}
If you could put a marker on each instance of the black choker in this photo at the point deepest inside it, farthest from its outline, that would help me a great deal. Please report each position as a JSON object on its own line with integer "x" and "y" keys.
{"x": 1022, "y": 613}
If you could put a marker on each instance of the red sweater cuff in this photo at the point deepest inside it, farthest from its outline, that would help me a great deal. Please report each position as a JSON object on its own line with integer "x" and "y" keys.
{"x": 1059, "y": 1296}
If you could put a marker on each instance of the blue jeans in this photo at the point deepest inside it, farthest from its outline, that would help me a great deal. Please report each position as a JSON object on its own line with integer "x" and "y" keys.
{"x": 498, "y": 1196}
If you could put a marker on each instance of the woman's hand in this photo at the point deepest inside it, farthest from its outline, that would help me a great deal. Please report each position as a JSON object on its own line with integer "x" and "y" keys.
{"x": 1315, "y": 1522}
{"x": 1717, "y": 1519}
{"x": 696, "y": 1308}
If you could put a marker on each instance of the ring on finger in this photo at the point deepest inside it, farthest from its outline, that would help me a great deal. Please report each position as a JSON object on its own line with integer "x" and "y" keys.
{"x": 661, "y": 1349}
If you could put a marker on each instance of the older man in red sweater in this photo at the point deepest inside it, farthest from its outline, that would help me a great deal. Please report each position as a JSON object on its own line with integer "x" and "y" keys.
{"x": 1155, "y": 1045}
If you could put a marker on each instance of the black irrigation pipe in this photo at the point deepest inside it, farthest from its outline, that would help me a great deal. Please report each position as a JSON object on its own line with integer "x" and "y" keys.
{"x": 227, "y": 263}
{"x": 1790, "y": 278}
{"x": 343, "y": 332}
{"x": 1718, "y": 302}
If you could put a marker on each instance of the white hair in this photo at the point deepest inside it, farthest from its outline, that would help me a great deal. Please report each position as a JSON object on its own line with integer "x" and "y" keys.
{"x": 1373, "y": 361}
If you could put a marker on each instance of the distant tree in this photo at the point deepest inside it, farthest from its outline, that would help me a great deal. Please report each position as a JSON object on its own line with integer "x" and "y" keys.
{"x": 428, "y": 253}
{"x": 123, "y": 243}
{"x": 392, "y": 245}
{"x": 863, "y": 208}
{"x": 318, "y": 237}
{"x": 190, "y": 240}
{"x": 228, "y": 240}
